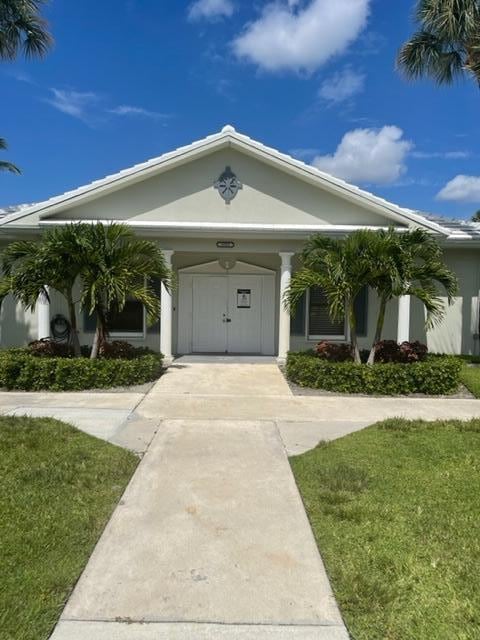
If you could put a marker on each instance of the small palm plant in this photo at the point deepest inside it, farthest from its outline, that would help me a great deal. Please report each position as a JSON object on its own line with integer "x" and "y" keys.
{"x": 337, "y": 266}
{"x": 109, "y": 263}
{"x": 391, "y": 262}
{"x": 447, "y": 44}
{"x": 32, "y": 267}
{"x": 409, "y": 263}
{"x": 117, "y": 266}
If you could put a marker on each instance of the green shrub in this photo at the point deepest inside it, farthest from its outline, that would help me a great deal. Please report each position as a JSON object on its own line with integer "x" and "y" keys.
{"x": 22, "y": 370}
{"x": 433, "y": 376}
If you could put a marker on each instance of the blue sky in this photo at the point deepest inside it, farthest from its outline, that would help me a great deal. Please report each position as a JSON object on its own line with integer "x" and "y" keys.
{"x": 131, "y": 79}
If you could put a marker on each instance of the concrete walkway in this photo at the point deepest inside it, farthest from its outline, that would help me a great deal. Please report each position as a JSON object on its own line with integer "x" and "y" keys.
{"x": 210, "y": 539}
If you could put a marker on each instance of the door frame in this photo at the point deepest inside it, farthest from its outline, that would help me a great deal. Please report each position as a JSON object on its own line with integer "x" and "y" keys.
{"x": 215, "y": 269}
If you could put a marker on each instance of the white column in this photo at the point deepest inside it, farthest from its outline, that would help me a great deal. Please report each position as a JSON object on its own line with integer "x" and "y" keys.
{"x": 166, "y": 315}
{"x": 283, "y": 313}
{"x": 43, "y": 316}
{"x": 403, "y": 330}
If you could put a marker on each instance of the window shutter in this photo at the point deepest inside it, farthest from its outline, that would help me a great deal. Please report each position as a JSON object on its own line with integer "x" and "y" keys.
{"x": 319, "y": 322}
{"x": 89, "y": 322}
{"x": 157, "y": 287}
{"x": 361, "y": 312}
{"x": 298, "y": 318}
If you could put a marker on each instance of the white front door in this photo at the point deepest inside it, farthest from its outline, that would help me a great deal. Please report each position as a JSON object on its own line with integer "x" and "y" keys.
{"x": 227, "y": 314}
{"x": 245, "y": 314}
{"x": 209, "y": 314}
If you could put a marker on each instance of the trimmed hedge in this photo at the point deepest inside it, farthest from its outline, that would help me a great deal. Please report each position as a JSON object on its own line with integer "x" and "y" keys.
{"x": 433, "y": 376}
{"x": 26, "y": 372}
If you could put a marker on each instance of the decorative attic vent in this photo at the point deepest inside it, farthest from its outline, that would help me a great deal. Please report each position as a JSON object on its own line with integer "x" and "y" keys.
{"x": 228, "y": 185}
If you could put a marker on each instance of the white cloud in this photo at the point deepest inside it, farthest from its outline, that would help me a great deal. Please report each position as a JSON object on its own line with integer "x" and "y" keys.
{"x": 342, "y": 86}
{"x": 211, "y": 9}
{"x": 374, "y": 156}
{"x": 74, "y": 103}
{"x": 441, "y": 155}
{"x": 129, "y": 110}
{"x": 461, "y": 189}
{"x": 289, "y": 35}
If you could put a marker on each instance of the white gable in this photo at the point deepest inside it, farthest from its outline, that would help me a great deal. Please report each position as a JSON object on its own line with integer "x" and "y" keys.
{"x": 178, "y": 189}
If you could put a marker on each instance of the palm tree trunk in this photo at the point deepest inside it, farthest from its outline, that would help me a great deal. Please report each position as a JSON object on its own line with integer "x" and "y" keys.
{"x": 352, "y": 321}
{"x": 378, "y": 329}
{"x": 75, "y": 341}
{"x": 100, "y": 335}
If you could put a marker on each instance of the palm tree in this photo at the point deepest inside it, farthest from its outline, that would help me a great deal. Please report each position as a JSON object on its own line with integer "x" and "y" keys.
{"x": 22, "y": 29}
{"x": 447, "y": 44}
{"x": 116, "y": 266}
{"x": 31, "y": 268}
{"x": 110, "y": 263}
{"x": 7, "y": 166}
{"x": 338, "y": 267}
{"x": 408, "y": 263}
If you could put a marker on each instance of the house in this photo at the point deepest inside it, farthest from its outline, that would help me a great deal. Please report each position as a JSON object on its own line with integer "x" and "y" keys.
{"x": 231, "y": 215}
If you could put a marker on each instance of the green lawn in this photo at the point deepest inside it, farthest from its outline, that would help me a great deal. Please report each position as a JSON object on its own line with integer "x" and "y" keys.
{"x": 396, "y": 513}
{"x": 58, "y": 489}
{"x": 470, "y": 377}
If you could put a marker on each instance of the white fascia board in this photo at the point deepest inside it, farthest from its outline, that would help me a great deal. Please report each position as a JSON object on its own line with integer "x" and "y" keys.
{"x": 223, "y": 226}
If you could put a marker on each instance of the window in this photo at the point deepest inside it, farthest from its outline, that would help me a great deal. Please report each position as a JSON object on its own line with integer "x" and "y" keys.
{"x": 311, "y": 316}
{"x": 130, "y": 322}
{"x": 319, "y": 322}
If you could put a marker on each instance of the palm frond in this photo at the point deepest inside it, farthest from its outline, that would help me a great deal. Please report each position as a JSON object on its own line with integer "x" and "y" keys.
{"x": 9, "y": 166}
{"x": 23, "y": 29}
{"x": 447, "y": 43}
{"x": 426, "y": 55}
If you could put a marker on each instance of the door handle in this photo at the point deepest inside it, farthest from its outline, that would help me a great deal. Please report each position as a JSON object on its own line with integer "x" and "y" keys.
{"x": 227, "y": 320}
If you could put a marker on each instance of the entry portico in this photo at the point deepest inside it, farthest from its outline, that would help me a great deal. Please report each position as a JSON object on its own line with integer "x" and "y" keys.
{"x": 231, "y": 216}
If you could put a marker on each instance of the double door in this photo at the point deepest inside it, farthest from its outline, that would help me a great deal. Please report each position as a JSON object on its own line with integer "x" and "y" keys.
{"x": 227, "y": 314}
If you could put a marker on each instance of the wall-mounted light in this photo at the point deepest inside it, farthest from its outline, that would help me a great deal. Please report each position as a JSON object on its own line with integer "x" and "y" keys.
{"x": 227, "y": 263}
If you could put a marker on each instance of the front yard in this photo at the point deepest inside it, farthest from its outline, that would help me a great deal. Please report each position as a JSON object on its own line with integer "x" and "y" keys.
{"x": 395, "y": 511}
{"x": 58, "y": 489}
{"x": 470, "y": 377}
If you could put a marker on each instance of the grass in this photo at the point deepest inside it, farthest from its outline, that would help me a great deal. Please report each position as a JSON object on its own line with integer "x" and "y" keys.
{"x": 470, "y": 377}
{"x": 59, "y": 486}
{"x": 395, "y": 512}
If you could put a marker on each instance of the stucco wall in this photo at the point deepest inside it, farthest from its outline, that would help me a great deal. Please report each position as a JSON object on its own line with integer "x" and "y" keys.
{"x": 187, "y": 194}
{"x": 456, "y": 334}
{"x": 17, "y": 327}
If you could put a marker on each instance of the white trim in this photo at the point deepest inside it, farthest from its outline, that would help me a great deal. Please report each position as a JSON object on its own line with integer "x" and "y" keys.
{"x": 403, "y": 319}
{"x": 43, "y": 315}
{"x": 224, "y": 226}
{"x": 166, "y": 313}
{"x": 227, "y": 138}
{"x": 213, "y": 267}
{"x": 185, "y": 318}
